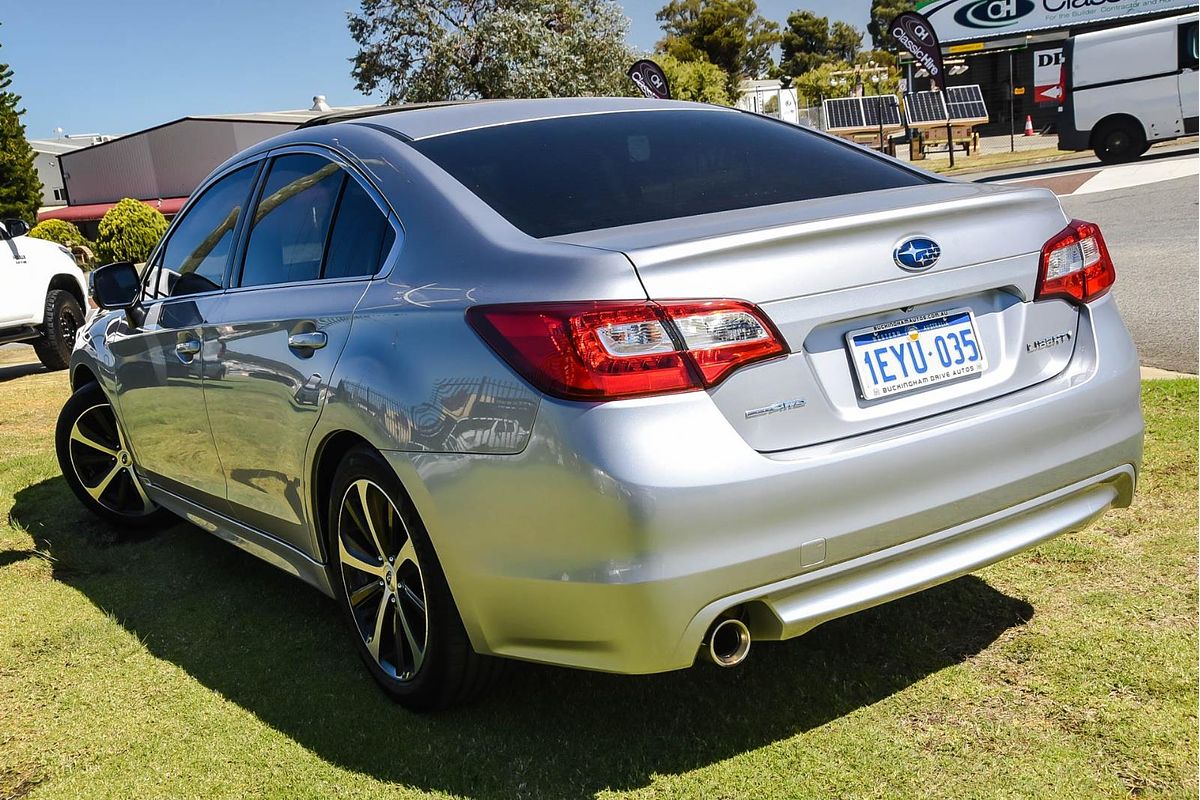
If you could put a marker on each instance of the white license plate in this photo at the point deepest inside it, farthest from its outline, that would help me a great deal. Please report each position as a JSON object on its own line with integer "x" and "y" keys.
{"x": 914, "y": 353}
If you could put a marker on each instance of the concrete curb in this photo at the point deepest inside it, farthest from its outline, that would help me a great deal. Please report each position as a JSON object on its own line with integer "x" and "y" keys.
{"x": 1156, "y": 374}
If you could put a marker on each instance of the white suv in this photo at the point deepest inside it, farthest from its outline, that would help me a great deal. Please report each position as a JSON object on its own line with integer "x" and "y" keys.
{"x": 42, "y": 294}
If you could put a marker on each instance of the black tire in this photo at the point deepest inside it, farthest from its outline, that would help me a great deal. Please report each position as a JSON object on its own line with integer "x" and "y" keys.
{"x": 1118, "y": 141}
{"x": 98, "y": 466}
{"x": 63, "y": 317}
{"x": 446, "y": 671}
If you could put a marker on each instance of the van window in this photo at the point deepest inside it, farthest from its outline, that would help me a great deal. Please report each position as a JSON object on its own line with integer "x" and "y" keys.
{"x": 1189, "y": 48}
{"x": 558, "y": 176}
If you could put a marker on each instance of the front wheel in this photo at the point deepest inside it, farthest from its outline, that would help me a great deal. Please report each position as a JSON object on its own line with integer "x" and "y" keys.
{"x": 61, "y": 320}
{"x": 393, "y": 593}
{"x": 98, "y": 465}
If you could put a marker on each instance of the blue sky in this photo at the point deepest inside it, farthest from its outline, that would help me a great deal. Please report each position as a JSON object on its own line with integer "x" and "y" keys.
{"x": 116, "y": 67}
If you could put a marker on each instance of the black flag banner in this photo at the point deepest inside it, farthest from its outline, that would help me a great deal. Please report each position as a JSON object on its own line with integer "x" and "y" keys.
{"x": 650, "y": 79}
{"x": 914, "y": 33}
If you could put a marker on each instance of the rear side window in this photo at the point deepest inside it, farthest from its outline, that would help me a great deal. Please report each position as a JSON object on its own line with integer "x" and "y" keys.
{"x": 291, "y": 221}
{"x": 361, "y": 236}
{"x": 197, "y": 251}
{"x": 559, "y": 176}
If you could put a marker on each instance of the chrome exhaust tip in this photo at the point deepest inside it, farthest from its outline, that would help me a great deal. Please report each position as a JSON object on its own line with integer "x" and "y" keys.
{"x": 727, "y": 643}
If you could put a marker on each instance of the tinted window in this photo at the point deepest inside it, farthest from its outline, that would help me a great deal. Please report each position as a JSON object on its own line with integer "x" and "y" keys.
{"x": 291, "y": 221}
{"x": 361, "y": 235}
{"x": 197, "y": 252}
{"x": 558, "y": 176}
{"x": 1189, "y": 47}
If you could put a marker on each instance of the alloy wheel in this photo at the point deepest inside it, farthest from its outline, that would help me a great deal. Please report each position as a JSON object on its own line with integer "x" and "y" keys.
{"x": 70, "y": 327}
{"x": 103, "y": 465}
{"x": 382, "y": 579}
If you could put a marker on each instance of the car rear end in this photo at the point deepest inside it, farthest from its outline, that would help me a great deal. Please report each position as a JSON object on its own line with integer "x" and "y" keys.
{"x": 847, "y": 381}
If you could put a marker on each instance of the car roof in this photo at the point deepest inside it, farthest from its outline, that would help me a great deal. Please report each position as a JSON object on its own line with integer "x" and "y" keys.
{"x": 423, "y": 121}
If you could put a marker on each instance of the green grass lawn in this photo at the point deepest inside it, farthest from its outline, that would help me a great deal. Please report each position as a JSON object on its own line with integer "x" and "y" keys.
{"x": 175, "y": 666}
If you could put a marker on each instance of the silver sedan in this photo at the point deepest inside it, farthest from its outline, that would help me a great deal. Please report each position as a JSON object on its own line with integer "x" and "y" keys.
{"x": 603, "y": 383}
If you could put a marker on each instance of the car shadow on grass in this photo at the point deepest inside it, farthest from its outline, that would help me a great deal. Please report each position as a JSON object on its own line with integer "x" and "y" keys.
{"x": 253, "y": 634}
{"x": 10, "y": 372}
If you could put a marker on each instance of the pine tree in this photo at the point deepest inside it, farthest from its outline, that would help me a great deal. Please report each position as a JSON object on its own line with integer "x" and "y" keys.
{"x": 20, "y": 189}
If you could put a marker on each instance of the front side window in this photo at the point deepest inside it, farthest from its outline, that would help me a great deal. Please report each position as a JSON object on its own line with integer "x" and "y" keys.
{"x": 291, "y": 222}
{"x": 198, "y": 250}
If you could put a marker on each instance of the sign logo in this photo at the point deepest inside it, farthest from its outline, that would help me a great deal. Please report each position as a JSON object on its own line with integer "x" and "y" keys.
{"x": 988, "y": 14}
{"x": 917, "y": 254}
{"x": 914, "y": 33}
{"x": 650, "y": 79}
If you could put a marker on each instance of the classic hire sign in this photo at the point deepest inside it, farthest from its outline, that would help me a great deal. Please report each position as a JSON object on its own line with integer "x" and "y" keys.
{"x": 957, "y": 20}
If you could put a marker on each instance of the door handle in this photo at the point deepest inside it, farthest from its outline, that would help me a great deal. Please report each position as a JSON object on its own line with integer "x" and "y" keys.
{"x": 312, "y": 340}
{"x": 188, "y": 347}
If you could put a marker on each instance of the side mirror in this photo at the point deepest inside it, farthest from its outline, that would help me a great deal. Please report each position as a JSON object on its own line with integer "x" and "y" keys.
{"x": 16, "y": 227}
{"x": 116, "y": 286}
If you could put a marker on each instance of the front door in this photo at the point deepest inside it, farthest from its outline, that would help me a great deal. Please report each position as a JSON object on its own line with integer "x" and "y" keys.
{"x": 162, "y": 362}
{"x": 314, "y": 242}
{"x": 23, "y": 295}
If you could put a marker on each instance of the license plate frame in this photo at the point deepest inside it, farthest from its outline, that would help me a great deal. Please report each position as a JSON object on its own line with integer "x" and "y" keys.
{"x": 885, "y": 356}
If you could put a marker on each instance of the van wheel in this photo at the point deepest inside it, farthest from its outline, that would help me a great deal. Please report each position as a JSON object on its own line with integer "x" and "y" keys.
{"x": 1119, "y": 140}
{"x": 61, "y": 321}
{"x": 98, "y": 465}
{"x": 393, "y": 593}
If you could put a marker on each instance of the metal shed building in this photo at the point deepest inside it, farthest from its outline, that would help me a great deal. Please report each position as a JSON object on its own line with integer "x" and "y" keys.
{"x": 162, "y": 165}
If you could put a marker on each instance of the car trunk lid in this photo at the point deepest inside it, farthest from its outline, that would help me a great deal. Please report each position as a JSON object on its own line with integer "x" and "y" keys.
{"x": 822, "y": 269}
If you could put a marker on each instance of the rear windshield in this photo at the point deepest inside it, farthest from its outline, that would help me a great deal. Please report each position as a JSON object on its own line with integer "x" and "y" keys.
{"x": 558, "y": 176}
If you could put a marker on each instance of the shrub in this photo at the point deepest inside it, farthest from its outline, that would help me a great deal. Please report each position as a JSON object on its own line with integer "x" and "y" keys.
{"x": 699, "y": 81}
{"x": 129, "y": 231}
{"x": 58, "y": 230}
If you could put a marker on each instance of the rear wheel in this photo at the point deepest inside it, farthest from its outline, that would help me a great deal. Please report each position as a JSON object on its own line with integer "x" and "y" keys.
{"x": 1119, "y": 140}
{"x": 98, "y": 465}
{"x": 62, "y": 319}
{"x": 387, "y": 579}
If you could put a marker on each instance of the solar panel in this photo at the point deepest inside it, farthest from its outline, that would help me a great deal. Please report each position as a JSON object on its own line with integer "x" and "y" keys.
{"x": 925, "y": 108}
{"x": 965, "y": 103}
{"x": 882, "y": 108}
{"x": 844, "y": 114}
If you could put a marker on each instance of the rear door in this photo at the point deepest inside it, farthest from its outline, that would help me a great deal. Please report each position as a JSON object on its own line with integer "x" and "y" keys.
{"x": 318, "y": 234}
{"x": 160, "y": 365}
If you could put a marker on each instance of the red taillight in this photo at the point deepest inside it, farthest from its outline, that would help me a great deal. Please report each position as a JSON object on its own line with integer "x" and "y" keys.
{"x": 612, "y": 349}
{"x": 1076, "y": 265}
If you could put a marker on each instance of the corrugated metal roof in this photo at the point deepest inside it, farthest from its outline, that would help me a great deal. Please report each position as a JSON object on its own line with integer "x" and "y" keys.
{"x": 57, "y": 147}
{"x": 91, "y": 212}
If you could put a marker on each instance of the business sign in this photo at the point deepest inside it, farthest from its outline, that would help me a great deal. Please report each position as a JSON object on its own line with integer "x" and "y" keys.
{"x": 1047, "y": 76}
{"x": 650, "y": 79}
{"x": 913, "y": 32}
{"x": 957, "y": 20}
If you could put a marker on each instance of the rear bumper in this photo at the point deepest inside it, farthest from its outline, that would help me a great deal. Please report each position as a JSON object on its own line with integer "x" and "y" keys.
{"x": 625, "y": 529}
{"x": 797, "y": 605}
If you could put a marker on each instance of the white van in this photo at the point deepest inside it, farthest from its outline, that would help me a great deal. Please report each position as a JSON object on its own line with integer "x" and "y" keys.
{"x": 1127, "y": 87}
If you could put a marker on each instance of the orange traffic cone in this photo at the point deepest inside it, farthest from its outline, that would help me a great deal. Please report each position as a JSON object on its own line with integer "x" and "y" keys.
{"x": 1029, "y": 126}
